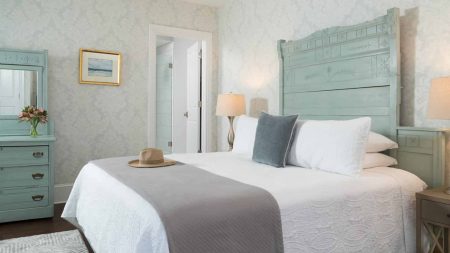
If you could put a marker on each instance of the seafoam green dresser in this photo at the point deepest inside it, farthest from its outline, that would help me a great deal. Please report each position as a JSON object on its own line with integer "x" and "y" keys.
{"x": 26, "y": 163}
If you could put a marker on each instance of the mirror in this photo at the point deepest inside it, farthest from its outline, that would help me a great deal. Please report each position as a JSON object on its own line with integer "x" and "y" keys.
{"x": 18, "y": 88}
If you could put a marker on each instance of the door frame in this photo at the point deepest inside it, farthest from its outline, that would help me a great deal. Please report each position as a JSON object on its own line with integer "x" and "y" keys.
{"x": 207, "y": 56}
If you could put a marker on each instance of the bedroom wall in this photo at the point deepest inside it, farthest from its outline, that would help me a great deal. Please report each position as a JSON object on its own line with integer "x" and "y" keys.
{"x": 249, "y": 30}
{"x": 95, "y": 121}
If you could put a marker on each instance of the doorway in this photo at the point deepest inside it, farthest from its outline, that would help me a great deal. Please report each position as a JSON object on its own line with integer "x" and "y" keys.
{"x": 180, "y": 85}
{"x": 178, "y": 95}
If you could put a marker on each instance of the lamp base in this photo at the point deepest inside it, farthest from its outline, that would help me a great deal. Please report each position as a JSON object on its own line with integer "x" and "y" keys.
{"x": 230, "y": 133}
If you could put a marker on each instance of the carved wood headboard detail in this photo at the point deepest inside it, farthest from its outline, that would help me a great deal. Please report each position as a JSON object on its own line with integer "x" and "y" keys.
{"x": 345, "y": 72}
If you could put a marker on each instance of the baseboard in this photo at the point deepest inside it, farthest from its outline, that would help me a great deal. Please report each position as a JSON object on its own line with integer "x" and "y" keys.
{"x": 62, "y": 192}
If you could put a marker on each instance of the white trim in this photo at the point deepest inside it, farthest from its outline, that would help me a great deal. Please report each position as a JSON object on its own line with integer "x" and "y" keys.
{"x": 207, "y": 47}
{"x": 62, "y": 192}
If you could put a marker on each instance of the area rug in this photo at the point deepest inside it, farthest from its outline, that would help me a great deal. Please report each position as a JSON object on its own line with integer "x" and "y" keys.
{"x": 61, "y": 242}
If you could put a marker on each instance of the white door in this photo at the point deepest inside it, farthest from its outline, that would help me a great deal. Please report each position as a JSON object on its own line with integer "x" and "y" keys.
{"x": 11, "y": 87}
{"x": 193, "y": 98}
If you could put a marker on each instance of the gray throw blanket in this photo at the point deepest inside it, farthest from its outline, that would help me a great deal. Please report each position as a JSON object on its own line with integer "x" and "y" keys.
{"x": 203, "y": 212}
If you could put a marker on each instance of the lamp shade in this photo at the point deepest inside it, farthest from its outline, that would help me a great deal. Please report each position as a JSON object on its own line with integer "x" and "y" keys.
{"x": 439, "y": 100}
{"x": 230, "y": 104}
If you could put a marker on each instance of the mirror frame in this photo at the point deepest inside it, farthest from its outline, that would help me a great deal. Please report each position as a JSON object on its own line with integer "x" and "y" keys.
{"x": 26, "y": 60}
{"x": 39, "y": 89}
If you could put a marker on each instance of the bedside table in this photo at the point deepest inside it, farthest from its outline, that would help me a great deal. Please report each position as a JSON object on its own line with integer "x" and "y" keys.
{"x": 422, "y": 152}
{"x": 433, "y": 218}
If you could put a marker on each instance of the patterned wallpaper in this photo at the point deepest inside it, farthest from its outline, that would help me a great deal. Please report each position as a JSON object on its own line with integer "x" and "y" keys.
{"x": 249, "y": 30}
{"x": 95, "y": 121}
{"x": 100, "y": 121}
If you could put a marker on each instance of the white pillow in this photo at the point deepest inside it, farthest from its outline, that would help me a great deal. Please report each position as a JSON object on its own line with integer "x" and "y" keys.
{"x": 244, "y": 139}
{"x": 379, "y": 143}
{"x": 293, "y": 150}
{"x": 330, "y": 145}
{"x": 372, "y": 160}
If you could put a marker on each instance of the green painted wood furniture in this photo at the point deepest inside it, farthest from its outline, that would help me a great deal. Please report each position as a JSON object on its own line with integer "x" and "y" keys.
{"x": 354, "y": 71}
{"x": 26, "y": 163}
{"x": 345, "y": 72}
{"x": 422, "y": 152}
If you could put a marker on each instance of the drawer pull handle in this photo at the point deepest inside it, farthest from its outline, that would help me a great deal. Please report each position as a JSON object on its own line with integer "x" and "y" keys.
{"x": 37, "y": 197}
{"x": 448, "y": 215}
{"x": 38, "y": 154}
{"x": 37, "y": 176}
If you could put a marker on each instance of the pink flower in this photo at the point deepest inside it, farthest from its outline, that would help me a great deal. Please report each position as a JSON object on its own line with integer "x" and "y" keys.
{"x": 31, "y": 113}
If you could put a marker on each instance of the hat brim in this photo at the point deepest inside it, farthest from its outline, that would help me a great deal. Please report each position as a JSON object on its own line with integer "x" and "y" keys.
{"x": 136, "y": 164}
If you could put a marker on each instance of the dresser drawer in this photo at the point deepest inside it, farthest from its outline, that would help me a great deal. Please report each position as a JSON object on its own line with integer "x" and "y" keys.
{"x": 23, "y": 156}
{"x": 11, "y": 199}
{"x": 437, "y": 212}
{"x": 24, "y": 176}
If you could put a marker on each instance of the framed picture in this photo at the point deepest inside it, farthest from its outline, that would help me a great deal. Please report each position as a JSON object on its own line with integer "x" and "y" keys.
{"x": 99, "y": 67}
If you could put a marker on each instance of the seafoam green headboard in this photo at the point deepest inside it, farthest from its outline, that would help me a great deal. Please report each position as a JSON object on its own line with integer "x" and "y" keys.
{"x": 345, "y": 72}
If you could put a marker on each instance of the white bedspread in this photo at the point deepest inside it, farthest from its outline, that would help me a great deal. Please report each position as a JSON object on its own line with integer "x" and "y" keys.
{"x": 321, "y": 211}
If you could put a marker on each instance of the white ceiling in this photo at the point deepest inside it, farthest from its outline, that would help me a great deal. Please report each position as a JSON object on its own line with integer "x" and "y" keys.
{"x": 214, "y": 3}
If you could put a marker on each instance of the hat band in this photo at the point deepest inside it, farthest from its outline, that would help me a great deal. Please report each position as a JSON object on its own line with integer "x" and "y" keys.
{"x": 152, "y": 161}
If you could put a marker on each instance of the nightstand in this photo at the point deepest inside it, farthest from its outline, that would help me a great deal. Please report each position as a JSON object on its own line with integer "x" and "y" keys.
{"x": 422, "y": 152}
{"x": 433, "y": 219}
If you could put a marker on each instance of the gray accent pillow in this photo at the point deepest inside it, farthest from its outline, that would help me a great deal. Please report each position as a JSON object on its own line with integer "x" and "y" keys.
{"x": 273, "y": 138}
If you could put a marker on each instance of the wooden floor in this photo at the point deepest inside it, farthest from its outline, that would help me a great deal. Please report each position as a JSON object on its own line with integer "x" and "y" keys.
{"x": 37, "y": 227}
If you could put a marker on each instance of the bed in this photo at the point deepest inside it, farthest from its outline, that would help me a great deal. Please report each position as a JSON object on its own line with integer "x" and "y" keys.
{"x": 320, "y": 211}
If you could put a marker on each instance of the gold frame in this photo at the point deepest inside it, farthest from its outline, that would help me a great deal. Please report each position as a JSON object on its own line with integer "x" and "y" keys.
{"x": 119, "y": 62}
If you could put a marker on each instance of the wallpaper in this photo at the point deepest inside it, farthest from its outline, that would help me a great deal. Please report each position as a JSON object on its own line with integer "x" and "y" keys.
{"x": 93, "y": 121}
{"x": 100, "y": 121}
{"x": 249, "y": 30}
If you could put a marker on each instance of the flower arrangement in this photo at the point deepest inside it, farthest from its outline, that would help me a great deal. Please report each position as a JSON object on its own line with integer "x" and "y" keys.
{"x": 35, "y": 116}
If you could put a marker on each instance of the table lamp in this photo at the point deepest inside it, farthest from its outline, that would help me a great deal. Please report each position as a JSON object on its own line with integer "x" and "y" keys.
{"x": 230, "y": 105}
{"x": 439, "y": 101}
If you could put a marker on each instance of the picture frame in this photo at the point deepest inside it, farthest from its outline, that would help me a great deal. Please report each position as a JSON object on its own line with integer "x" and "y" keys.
{"x": 99, "y": 67}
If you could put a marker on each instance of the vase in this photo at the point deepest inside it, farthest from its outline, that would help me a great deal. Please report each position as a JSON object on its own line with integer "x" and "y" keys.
{"x": 33, "y": 130}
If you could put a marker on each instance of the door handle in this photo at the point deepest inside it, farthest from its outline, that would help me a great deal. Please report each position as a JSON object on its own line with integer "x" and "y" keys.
{"x": 37, "y": 176}
{"x": 186, "y": 114}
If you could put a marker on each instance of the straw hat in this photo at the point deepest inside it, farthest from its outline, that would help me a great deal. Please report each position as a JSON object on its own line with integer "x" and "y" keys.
{"x": 151, "y": 158}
